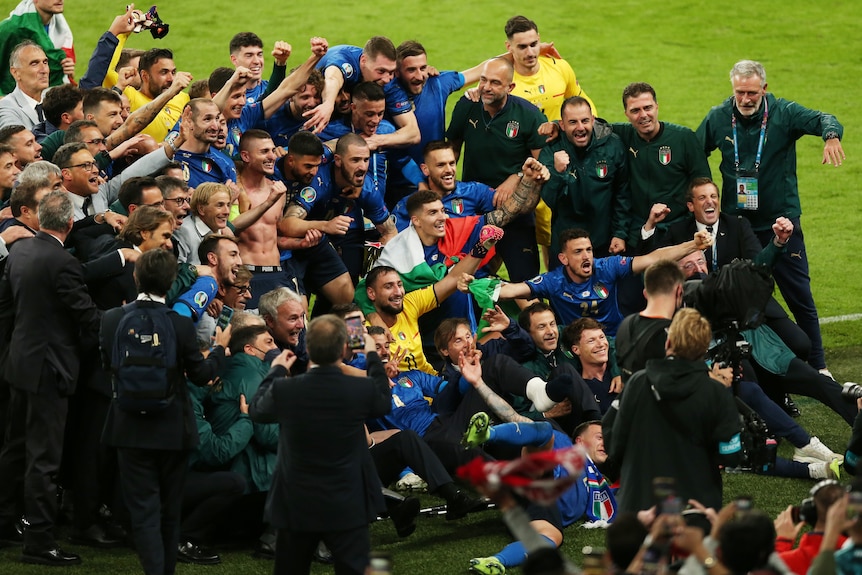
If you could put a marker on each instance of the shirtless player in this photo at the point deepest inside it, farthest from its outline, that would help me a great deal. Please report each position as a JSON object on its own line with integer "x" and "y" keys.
{"x": 259, "y": 244}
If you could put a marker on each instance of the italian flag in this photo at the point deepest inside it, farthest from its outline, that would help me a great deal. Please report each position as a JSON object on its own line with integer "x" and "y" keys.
{"x": 406, "y": 254}
{"x": 24, "y": 23}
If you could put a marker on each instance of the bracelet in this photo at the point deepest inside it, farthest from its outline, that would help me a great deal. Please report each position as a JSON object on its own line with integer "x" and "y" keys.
{"x": 831, "y": 135}
{"x": 778, "y": 243}
{"x": 172, "y": 145}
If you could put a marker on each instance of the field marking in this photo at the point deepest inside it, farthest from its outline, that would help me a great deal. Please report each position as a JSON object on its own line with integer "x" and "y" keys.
{"x": 838, "y": 318}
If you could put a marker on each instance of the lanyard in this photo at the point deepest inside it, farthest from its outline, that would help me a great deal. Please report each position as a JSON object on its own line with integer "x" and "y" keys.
{"x": 759, "y": 144}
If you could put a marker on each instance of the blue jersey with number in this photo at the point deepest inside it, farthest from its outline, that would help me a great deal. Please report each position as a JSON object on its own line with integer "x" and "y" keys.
{"x": 467, "y": 199}
{"x": 213, "y": 166}
{"x": 346, "y": 59}
{"x": 595, "y": 298}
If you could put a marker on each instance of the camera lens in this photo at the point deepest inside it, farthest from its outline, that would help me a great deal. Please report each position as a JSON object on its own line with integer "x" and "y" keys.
{"x": 850, "y": 392}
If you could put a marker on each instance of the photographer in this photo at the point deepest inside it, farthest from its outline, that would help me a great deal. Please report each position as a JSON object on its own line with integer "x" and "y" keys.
{"x": 674, "y": 420}
{"x": 843, "y": 516}
{"x": 812, "y": 511}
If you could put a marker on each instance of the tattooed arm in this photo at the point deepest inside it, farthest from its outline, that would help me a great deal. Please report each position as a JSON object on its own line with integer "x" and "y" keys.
{"x": 525, "y": 196}
{"x": 471, "y": 369}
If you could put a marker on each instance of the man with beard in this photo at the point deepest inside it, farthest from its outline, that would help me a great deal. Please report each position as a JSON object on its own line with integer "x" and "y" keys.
{"x": 587, "y": 287}
{"x": 505, "y": 128}
{"x": 24, "y": 144}
{"x": 367, "y": 106}
{"x": 428, "y": 94}
{"x": 288, "y": 120}
{"x": 157, "y": 75}
{"x": 344, "y": 67}
{"x": 349, "y": 195}
{"x": 589, "y": 185}
{"x": 201, "y": 163}
{"x": 459, "y": 198}
{"x": 317, "y": 268}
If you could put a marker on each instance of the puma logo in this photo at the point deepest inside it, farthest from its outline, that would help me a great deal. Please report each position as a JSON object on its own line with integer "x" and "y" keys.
{"x": 797, "y": 255}
{"x": 634, "y": 152}
{"x": 474, "y": 123}
{"x": 729, "y": 139}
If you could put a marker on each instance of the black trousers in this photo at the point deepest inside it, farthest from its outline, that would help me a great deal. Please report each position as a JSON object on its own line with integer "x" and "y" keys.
{"x": 350, "y": 550}
{"x": 153, "y": 481}
{"x": 406, "y": 449}
{"x": 42, "y": 448}
{"x": 206, "y": 498}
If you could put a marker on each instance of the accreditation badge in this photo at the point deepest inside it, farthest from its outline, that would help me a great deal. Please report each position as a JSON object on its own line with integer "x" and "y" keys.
{"x": 746, "y": 193}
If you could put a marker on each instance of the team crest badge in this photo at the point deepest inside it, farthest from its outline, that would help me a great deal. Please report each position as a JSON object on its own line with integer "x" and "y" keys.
{"x": 458, "y": 207}
{"x": 347, "y": 69}
{"x": 602, "y": 169}
{"x": 186, "y": 174}
{"x": 601, "y": 290}
{"x": 664, "y": 155}
{"x": 405, "y": 382}
{"x": 206, "y": 166}
{"x": 512, "y": 129}
{"x": 308, "y": 194}
{"x": 402, "y": 336}
{"x": 541, "y": 89}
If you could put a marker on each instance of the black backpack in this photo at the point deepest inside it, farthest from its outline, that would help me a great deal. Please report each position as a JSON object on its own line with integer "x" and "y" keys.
{"x": 144, "y": 359}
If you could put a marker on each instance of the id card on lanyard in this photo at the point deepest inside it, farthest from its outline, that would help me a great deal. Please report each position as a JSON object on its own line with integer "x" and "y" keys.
{"x": 746, "y": 186}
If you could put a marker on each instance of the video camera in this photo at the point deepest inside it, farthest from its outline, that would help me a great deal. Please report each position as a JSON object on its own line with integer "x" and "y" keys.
{"x": 733, "y": 300}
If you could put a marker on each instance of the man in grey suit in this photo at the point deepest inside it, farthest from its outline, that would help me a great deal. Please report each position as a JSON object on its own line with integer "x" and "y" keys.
{"x": 29, "y": 66}
{"x": 326, "y": 487}
{"x": 90, "y": 195}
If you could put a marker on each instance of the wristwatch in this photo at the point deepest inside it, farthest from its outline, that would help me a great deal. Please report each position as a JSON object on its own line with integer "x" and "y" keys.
{"x": 709, "y": 562}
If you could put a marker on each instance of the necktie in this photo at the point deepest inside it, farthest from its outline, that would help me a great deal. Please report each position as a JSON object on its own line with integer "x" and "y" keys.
{"x": 714, "y": 263}
{"x": 88, "y": 203}
{"x": 40, "y": 113}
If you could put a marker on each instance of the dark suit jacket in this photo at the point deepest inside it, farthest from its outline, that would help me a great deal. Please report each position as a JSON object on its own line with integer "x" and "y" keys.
{"x": 325, "y": 478}
{"x": 54, "y": 316}
{"x": 173, "y": 428}
{"x": 736, "y": 239}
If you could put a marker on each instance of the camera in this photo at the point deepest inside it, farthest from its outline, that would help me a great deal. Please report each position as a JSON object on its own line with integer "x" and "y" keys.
{"x": 850, "y": 392}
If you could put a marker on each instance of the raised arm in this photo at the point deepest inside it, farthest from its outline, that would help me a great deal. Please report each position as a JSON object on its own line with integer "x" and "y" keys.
{"x": 701, "y": 241}
{"x": 525, "y": 197}
{"x": 141, "y": 118}
{"x": 294, "y": 83}
{"x": 318, "y": 118}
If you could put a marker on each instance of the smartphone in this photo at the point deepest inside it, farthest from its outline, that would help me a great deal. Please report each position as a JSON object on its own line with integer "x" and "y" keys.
{"x": 355, "y": 332}
{"x": 224, "y": 317}
{"x": 664, "y": 491}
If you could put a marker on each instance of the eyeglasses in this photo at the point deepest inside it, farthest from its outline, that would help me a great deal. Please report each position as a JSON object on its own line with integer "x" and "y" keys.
{"x": 244, "y": 289}
{"x": 690, "y": 266}
{"x": 156, "y": 204}
{"x": 86, "y": 165}
{"x": 179, "y": 201}
{"x": 96, "y": 141}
